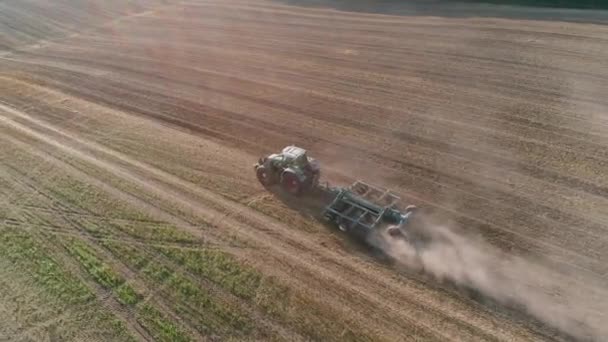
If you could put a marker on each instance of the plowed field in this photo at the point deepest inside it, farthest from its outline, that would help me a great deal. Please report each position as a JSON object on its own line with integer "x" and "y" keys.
{"x": 129, "y": 209}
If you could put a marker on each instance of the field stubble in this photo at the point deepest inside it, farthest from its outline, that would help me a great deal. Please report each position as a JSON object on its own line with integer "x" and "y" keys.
{"x": 126, "y": 172}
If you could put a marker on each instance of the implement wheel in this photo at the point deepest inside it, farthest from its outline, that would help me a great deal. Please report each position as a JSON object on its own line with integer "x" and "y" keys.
{"x": 394, "y": 232}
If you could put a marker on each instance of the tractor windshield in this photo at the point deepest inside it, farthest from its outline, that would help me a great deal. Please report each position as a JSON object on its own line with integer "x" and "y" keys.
{"x": 300, "y": 160}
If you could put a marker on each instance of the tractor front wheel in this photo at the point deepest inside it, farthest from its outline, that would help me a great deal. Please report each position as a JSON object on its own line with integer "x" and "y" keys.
{"x": 265, "y": 176}
{"x": 291, "y": 183}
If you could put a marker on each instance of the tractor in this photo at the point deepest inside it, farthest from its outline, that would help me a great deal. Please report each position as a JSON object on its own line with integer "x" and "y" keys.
{"x": 360, "y": 209}
{"x": 293, "y": 169}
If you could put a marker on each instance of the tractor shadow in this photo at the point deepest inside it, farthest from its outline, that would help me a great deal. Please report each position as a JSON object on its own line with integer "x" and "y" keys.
{"x": 310, "y": 207}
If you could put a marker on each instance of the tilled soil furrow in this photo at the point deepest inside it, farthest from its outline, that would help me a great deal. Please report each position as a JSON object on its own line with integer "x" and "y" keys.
{"x": 171, "y": 218}
{"x": 492, "y": 125}
{"x": 260, "y": 220}
{"x": 428, "y": 173}
{"x": 326, "y": 78}
{"x": 542, "y": 171}
{"x": 443, "y": 178}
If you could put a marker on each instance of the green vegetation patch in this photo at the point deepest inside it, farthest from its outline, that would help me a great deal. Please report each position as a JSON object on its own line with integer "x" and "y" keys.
{"x": 127, "y": 253}
{"x": 219, "y": 267}
{"x": 159, "y": 326}
{"x": 192, "y": 301}
{"x": 210, "y": 314}
{"x": 55, "y": 289}
{"x": 127, "y": 295}
{"x": 101, "y": 272}
{"x": 307, "y": 316}
{"x": 18, "y": 246}
{"x": 152, "y": 231}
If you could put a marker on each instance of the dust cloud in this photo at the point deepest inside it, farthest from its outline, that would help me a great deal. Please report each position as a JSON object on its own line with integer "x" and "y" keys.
{"x": 575, "y": 307}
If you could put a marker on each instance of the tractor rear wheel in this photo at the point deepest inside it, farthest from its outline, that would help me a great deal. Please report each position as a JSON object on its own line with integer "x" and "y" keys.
{"x": 265, "y": 176}
{"x": 291, "y": 183}
{"x": 314, "y": 180}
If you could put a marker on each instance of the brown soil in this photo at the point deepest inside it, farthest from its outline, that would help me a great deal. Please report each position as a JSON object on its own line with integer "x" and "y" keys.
{"x": 496, "y": 124}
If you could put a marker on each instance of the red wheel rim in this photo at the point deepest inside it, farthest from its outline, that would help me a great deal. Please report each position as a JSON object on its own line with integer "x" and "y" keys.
{"x": 292, "y": 185}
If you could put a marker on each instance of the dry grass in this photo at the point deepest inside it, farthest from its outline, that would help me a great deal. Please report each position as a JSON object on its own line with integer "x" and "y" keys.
{"x": 128, "y": 199}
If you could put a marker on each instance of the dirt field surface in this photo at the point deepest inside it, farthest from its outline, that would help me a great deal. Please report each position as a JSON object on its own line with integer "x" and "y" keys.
{"x": 129, "y": 209}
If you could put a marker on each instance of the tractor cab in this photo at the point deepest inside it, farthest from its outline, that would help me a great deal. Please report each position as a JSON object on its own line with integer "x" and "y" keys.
{"x": 294, "y": 153}
{"x": 292, "y": 168}
{"x": 296, "y": 157}
{"x": 291, "y": 156}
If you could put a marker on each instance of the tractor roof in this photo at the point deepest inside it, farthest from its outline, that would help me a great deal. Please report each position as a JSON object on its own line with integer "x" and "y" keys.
{"x": 293, "y": 152}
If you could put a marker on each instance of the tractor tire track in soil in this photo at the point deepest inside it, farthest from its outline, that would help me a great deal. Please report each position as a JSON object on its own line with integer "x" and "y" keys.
{"x": 262, "y": 236}
{"x": 152, "y": 292}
